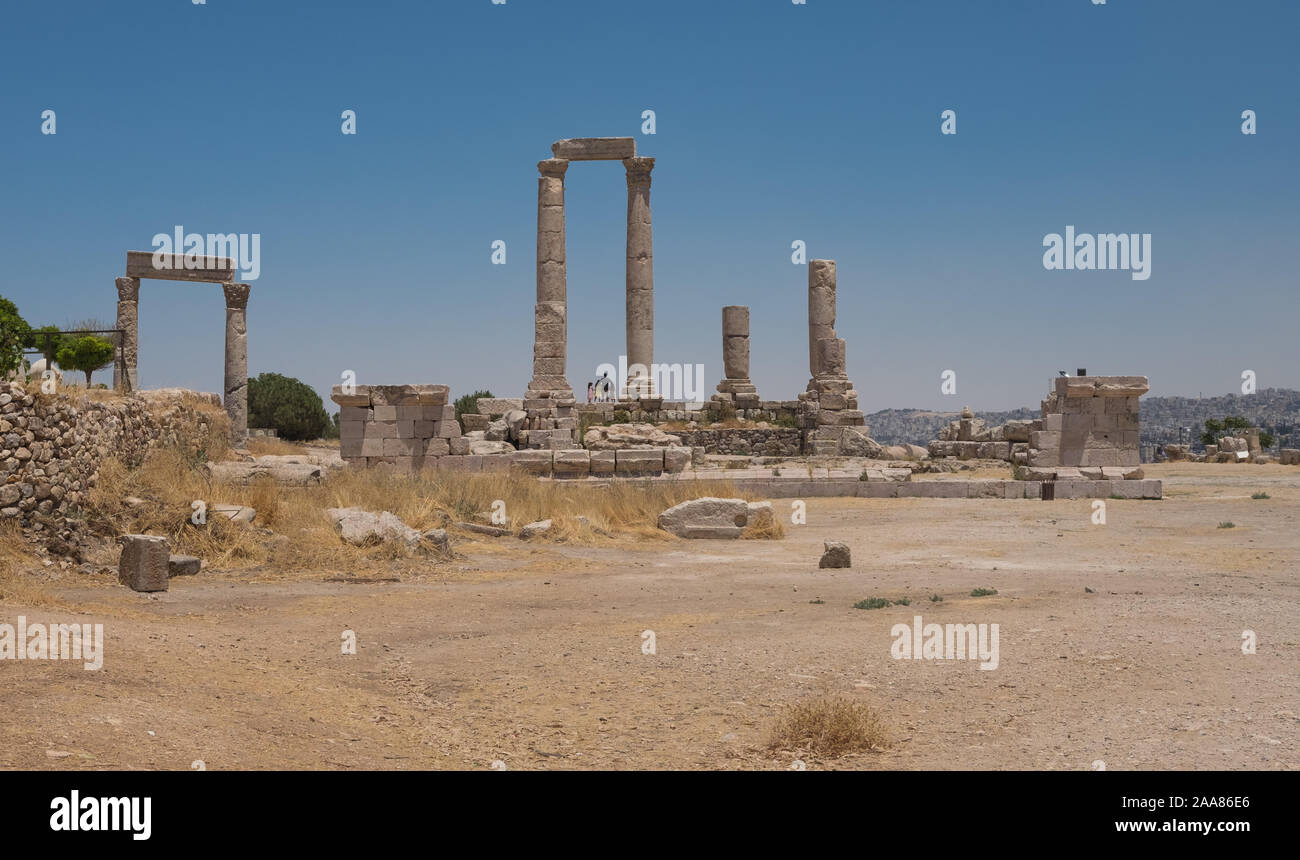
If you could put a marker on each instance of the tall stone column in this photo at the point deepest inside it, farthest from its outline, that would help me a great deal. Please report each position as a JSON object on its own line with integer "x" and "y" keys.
{"x": 821, "y": 308}
{"x": 128, "y": 323}
{"x": 736, "y": 387}
{"x": 237, "y": 361}
{"x": 550, "y": 315}
{"x": 640, "y": 279}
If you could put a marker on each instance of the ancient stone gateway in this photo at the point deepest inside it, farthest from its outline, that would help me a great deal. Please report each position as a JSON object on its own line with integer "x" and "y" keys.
{"x": 550, "y": 341}
{"x": 213, "y": 270}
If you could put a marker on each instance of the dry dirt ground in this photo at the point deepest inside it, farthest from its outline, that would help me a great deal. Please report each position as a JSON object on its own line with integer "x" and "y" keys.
{"x": 1119, "y": 643}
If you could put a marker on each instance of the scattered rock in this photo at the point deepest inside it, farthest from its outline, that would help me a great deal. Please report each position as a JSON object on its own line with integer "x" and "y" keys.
{"x": 234, "y": 513}
{"x": 478, "y": 528}
{"x": 537, "y": 529}
{"x": 628, "y": 436}
{"x": 836, "y": 555}
{"x": 183, "y": 565}
{"x": 707, "y": 517}
{"x": 438, "y": 539}
{"x": 364, "y": 528}
{"x": 290, "y": 474}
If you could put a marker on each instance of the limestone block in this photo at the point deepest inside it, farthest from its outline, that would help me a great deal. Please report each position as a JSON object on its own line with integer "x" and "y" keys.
{"x": 602, "y": 462}
{"x": 143, "y": 563}
{"x": 532, "y": 462}
{"x": 572, "y": 463}
{"x": 676, "y": 459}
{"x": 639, "y": 461}
{"x": 594, "y": 149}
{"x": 707, "y": 517}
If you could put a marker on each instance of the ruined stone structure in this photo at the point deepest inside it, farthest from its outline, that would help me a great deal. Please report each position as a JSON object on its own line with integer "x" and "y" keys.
{"x": 407, "y": 426}
{"x": 736, "y": 387}
{"x": 1089, "y": 421}
{"x": 830, "y": 405}
{"x": 212, "y": 270}
{"x": 52, "y": 448}
{"x": 550, "y": 344}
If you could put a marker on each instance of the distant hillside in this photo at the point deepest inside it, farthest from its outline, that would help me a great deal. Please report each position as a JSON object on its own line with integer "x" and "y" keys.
{"x": 920, "y": 426}
{"x": 1274, "y": 409}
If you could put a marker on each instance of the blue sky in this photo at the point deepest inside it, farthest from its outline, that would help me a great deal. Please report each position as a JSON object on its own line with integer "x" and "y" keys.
{"x": 775, "y": 122}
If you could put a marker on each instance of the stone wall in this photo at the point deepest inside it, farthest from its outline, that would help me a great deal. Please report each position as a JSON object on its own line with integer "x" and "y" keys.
{"x": 768, "y": 442}
{"x": 407, "y": 426}
{"x": 52, "y": 446}
{"x": 1090, "y": 421}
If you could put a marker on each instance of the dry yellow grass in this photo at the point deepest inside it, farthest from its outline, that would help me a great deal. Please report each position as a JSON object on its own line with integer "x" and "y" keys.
{"x": 828, "y": 726}
{"x": 259, "y": 445}
{"x": 292, "y": 532}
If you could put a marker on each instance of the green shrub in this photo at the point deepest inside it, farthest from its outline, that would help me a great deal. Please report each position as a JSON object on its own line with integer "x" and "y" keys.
{"x": 469, "y": 403}
{"x": 983, "y": 592}
{"x": 14, "y": 332}
{"x": 87, "y": 353}
{"x": 288, "y": 405}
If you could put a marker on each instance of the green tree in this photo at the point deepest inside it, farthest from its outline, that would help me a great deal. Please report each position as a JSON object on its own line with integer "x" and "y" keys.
{"x": 14, "y": 332}
{"x": 1266, "y": 439}
{"x": 48, "y": 340}
{"x": 1212, "y": 430}
{"x": 469, "y": 402}
{"x": 87, "y": 353}
{"x": 288, "y": 405}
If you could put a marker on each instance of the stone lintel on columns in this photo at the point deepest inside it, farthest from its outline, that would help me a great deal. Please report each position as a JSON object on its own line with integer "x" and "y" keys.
{"x": 595, "y": 148}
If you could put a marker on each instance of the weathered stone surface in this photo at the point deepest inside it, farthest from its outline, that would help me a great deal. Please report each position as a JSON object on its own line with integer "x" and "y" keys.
{"x": 143, "y": 565}
{"x": 486, "y": 447}
{"x": 216, "y": 270}
{"x": 398, "y": 395}
{"x": 438, "y": 540}
{"x": 836, "y": 555}
{"x": 364, "y": 528}
{"x": 183, "y": 565}
{"x": 234, "y": 513}
{"x": 535, "y": 530}
{"x": 639, "y": 461}
{"x": 480, "y": 528}
{"x": 495, "y": 407}
{"x": 236, "y": 381}
{"x": 356, "y": 396}
{"x": 855, "y": 443}
{"x": 572, "y": 463}
{"x": 676, "y": 459}
{"x": 290, "y": 474}
{"x": 533, "y": 462}
{"x": 821, "y": 308}
{"x": 628, "y": 436}
{"x": 706, "y": 517}
{"x": 594, "y": 148}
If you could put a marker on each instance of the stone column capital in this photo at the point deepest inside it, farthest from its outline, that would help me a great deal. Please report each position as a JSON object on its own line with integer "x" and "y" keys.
{"x": 236, "y": 295}
{"x": 553, "y": 168}
{"x": 638, "y": 171}
{"x": 128, "y": 289}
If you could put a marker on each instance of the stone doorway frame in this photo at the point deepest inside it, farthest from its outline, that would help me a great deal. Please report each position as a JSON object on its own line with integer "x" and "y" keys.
{"x": 212, "y": 270}
{"x": 550, "y": 329}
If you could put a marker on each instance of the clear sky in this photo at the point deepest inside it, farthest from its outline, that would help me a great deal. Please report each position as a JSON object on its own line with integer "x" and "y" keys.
{"x": 776, "y": 122}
